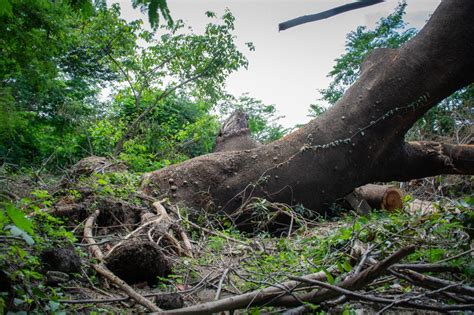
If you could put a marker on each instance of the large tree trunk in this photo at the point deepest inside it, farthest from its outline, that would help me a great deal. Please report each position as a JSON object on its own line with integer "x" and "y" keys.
{"x": 358, "y": 141}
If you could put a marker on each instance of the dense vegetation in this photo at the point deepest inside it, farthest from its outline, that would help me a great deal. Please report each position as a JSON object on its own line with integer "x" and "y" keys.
{"x": 77, "y": 80}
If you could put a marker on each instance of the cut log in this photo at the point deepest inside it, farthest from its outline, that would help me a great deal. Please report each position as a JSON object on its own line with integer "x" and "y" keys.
{"x": 381, "y": 196}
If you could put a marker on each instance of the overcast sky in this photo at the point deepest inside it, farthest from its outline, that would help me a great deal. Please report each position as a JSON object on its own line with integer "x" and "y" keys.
{"x": 287, "y": 68}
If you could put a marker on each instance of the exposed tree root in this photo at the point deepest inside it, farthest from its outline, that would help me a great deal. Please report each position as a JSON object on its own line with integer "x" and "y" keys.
{"x": 103, "y": 270}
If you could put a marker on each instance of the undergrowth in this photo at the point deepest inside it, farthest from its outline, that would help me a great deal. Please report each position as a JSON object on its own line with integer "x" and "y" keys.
{"x": 26, "y": 230}
{"x": 252, "y": 261}
{"x": 327, "y": 246}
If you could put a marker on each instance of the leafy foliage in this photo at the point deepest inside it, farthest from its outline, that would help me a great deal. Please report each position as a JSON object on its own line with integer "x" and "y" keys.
{"x": 44, "y": 84}
{"x": 155, "y": 8}
{"x": 25, "y": 231}
{"x": 165, "y": 85}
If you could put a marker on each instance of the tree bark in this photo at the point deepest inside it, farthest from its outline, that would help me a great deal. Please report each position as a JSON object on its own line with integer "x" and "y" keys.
{"x": 234, "y": 134}
{"x": 357, "y": 141}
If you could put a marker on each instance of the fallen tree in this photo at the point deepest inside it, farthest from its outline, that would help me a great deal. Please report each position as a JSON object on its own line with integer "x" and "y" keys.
{"x": 358, "y": 141}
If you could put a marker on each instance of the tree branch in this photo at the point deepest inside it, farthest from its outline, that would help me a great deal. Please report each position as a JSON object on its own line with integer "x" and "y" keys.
{"x": 325, "y": 14}
{"x": 404, "y": 302}
{"x": 273, "y": 295}
{"x": 354, "y": 283}
{"x": 125, "y": 74}
{"x": 422, "y": 159}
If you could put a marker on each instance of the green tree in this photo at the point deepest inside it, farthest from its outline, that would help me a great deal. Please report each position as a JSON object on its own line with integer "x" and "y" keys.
{"x": 178, "y": 62}
{"x": 50, "y": 74}
{"x": 176, "y": 130}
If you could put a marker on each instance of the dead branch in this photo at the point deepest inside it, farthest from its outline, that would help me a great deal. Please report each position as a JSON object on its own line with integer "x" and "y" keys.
{"x": 429, "y": 267}
{"x": 95, "y": 250}
{"x": 103, "y": 271}
{"x": 370, "y": 298}
{"x": 247, "y": 299}
{"x": 221, "y": 283}
{"x": 435, "y": 283}
{"x": 172, "y": 300}
{"x": 429, "y": 286}
{"x": 381, "y": 196}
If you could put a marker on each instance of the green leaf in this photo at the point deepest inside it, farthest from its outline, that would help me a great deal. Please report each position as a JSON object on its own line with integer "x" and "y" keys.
{"x": 329, "y": 277}
{"x": 357, "y": 227}
{"x": 347, "y": 266}
{"x": 19, "y": 219}
{"x": 53, "y": 306}
{"x": 5, "y": 8}
{"x": 340, "y": 267}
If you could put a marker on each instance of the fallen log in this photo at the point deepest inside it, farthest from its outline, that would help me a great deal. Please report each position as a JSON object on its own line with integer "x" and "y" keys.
{"x": 235, "y": 135}
{"x": 357, "y": 141}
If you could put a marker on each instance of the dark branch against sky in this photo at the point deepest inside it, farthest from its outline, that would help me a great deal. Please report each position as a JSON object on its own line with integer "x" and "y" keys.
{"x": 326, "y": 14}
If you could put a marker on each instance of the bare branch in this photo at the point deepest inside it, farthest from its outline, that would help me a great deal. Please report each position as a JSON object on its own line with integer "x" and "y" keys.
{"x": 326, "y": 14}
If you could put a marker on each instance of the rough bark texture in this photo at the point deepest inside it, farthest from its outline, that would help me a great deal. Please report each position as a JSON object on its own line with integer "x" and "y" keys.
{"x": 358, "y": 141}
{"x": 235, "y": 134}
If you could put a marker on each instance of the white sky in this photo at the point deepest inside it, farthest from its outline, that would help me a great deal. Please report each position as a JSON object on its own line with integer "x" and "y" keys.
{"x": 287, "y": 68}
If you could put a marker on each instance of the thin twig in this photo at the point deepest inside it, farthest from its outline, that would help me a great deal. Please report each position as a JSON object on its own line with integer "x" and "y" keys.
{"x": 429, "y": 267}
{"x": 398, "y": 302}
{"x": 221, "y": 282}
{"x": 456, "y": 256}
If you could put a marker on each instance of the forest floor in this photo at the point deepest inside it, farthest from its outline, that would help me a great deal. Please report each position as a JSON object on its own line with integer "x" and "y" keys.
{"x": 175, "y": 257}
